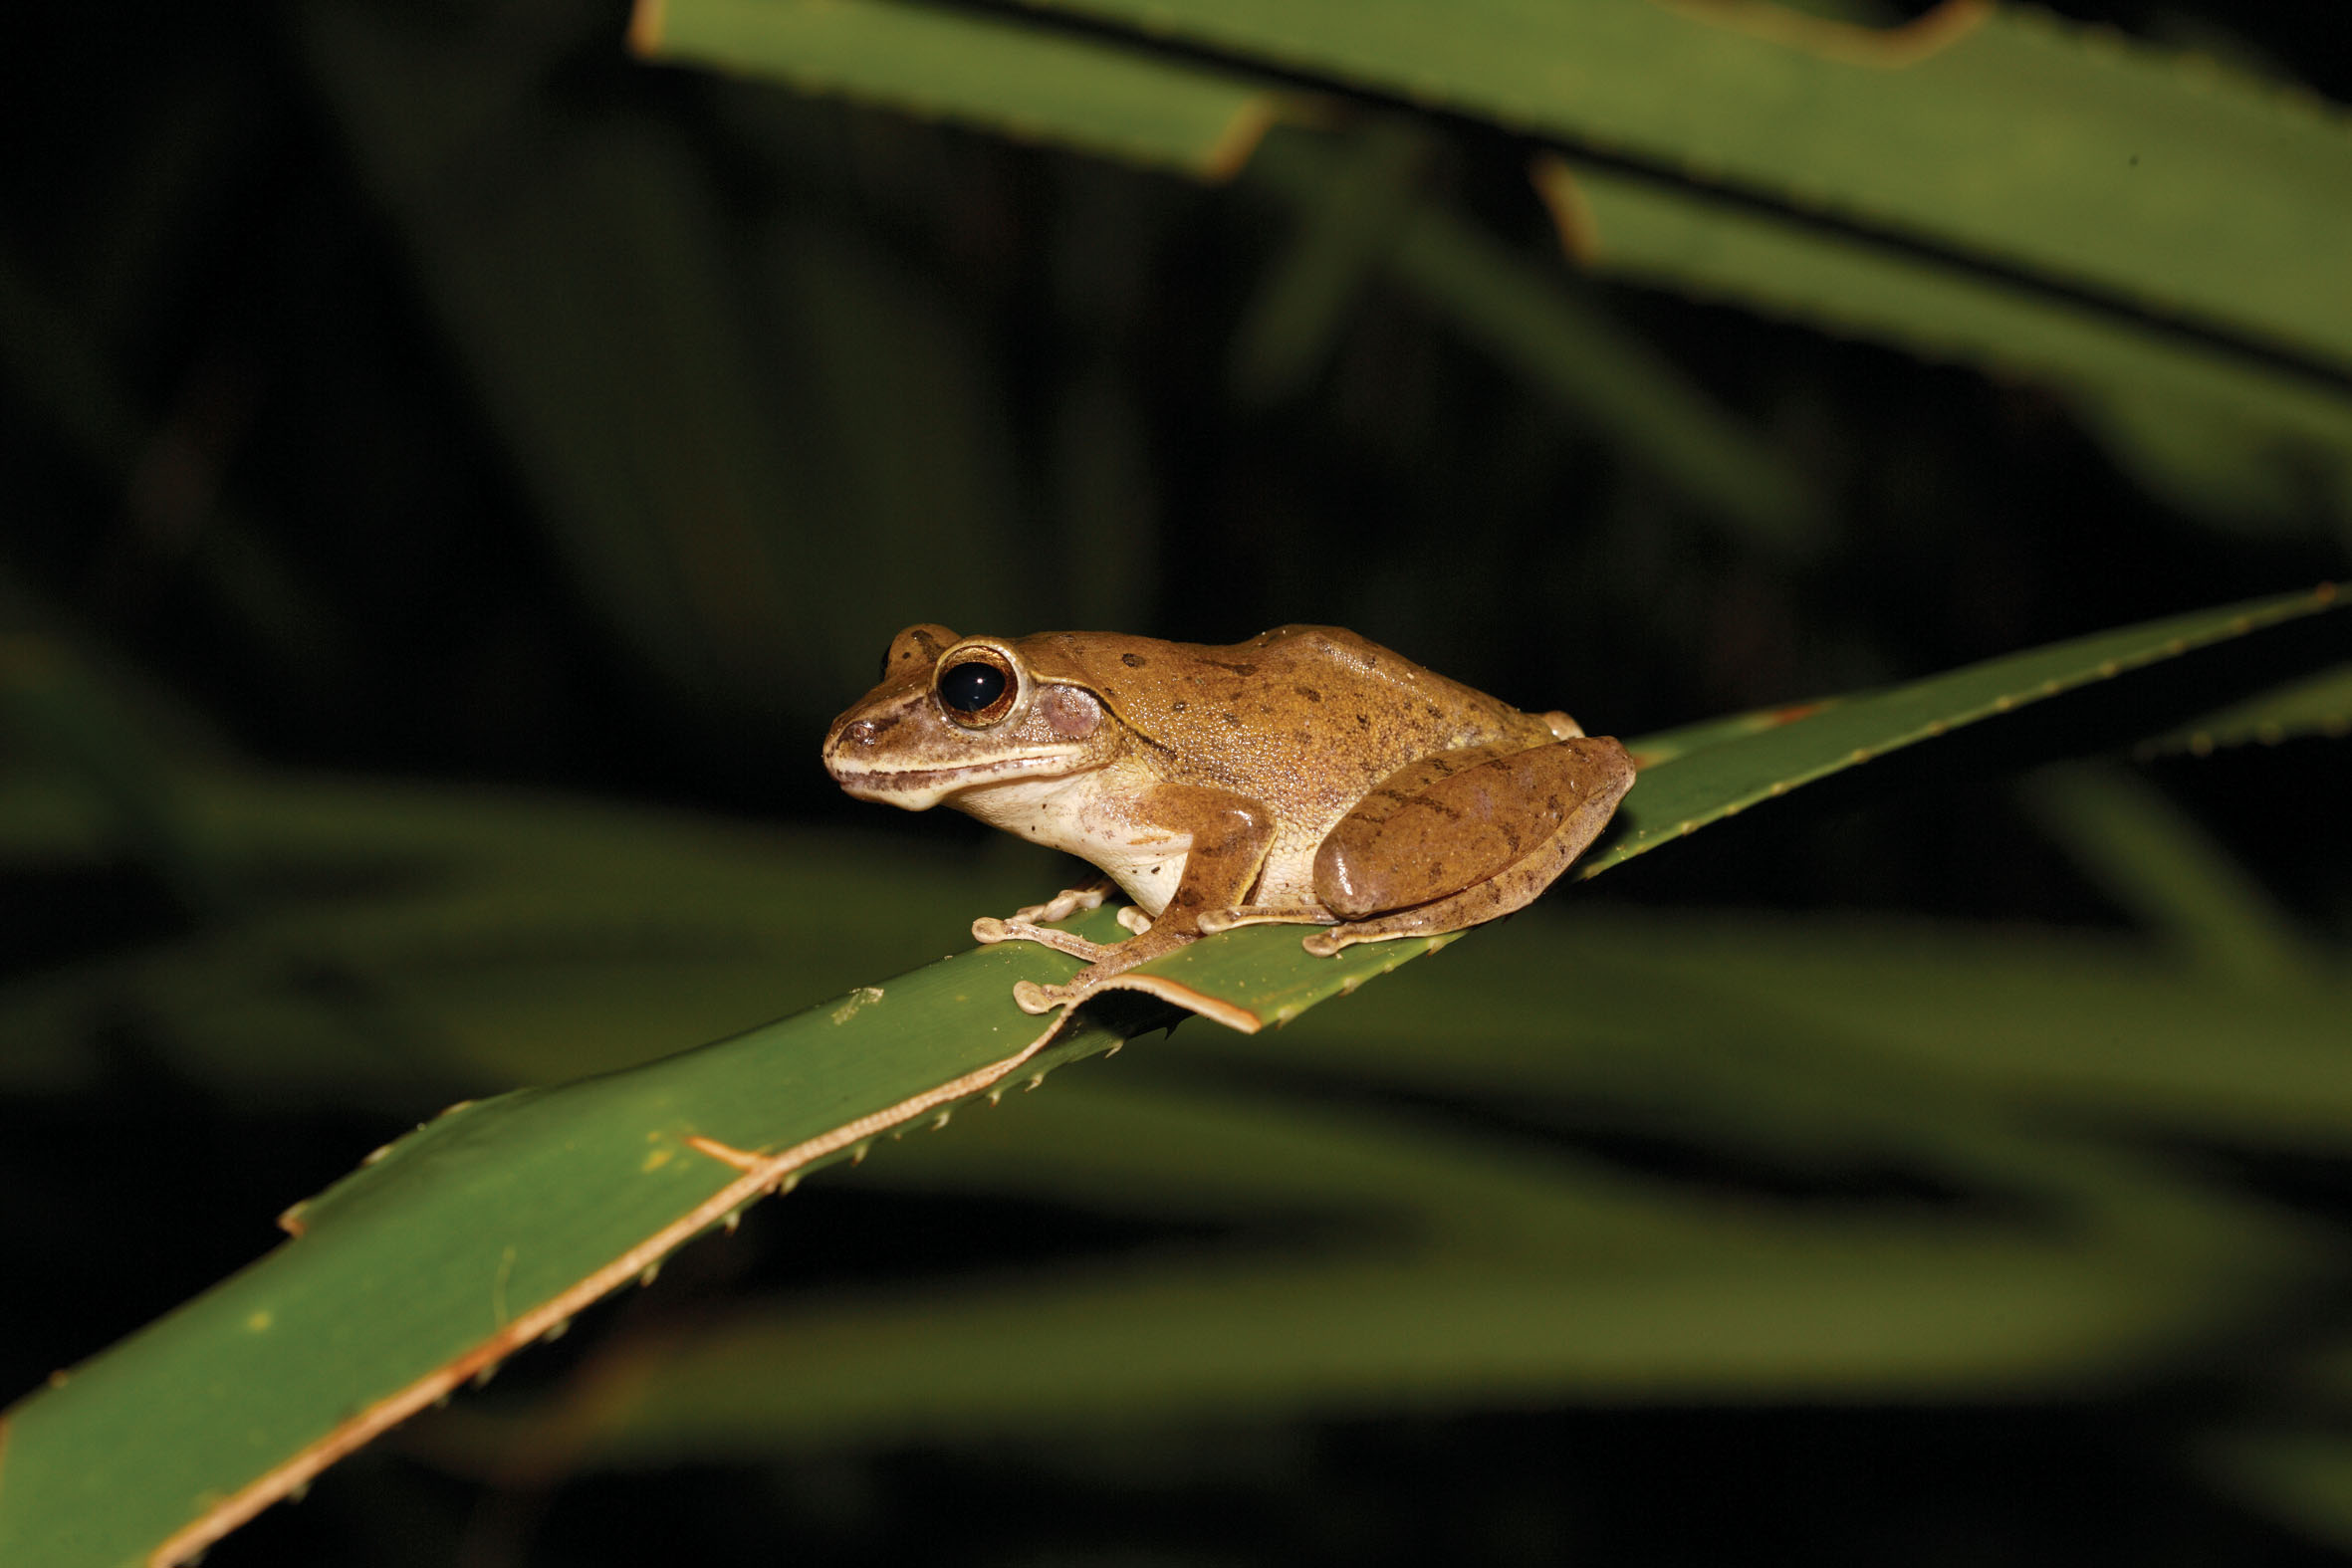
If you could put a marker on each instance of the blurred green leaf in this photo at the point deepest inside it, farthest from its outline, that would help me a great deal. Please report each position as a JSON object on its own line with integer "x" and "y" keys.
{"x": 1089, "y": 93}
{"x": 1838, "y": 1039}
{"x": 2301, "y": 1477}
{"x": 586, "y": 282}
{"x": 2229, "y": 434}
{"x": 173, "y": 527}
{"x": 2152, "y": 859}
{"x": 1539, "y": 324}
{"x": 2170, "y": 182}
{"x": 903, "y": 424}
{"x": 1351, "y": 213}
{"x": 1818, "y": 1318}
{"x": 2319, "y": 704}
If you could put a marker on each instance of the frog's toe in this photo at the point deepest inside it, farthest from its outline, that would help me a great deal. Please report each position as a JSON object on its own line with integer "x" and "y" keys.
{"x": 1069, "y": 901}
{"x": 1135, "y": 919}
{"x": 1325, "y": 944}
{"x": 1030, "y": 996}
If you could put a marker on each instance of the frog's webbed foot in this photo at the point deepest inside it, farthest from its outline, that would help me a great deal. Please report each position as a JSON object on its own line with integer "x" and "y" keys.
{"x": 1030, "y": 996}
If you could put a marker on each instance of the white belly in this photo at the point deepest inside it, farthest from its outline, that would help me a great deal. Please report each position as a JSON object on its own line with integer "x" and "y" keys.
{"x": 1083, "y": 815}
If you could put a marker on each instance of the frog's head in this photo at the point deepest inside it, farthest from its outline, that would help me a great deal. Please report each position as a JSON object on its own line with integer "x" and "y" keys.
{"x": 962, "y": 712}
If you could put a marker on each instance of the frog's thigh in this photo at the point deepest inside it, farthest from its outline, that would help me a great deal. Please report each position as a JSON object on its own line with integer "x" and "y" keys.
{"x": 1465, "y": 836}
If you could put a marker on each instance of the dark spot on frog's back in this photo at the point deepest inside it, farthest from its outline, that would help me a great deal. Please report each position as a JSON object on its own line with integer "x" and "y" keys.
{"x": 1309, "y": 693}
{"x": 1230, "y": 718}
{"x": 1178, "y": 706}
{"x": 1133, "y": 661}
{"x": 1242, "y": 670}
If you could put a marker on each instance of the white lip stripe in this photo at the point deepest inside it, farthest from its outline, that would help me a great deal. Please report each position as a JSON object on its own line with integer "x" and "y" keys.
{"x": 926, "y": 777}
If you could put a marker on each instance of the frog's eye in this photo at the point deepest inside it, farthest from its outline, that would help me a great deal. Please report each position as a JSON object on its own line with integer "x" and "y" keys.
{"x": 978, "y": 688}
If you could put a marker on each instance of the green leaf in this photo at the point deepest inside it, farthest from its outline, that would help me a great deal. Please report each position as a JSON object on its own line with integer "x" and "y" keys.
{"x": 1018, "y": 80}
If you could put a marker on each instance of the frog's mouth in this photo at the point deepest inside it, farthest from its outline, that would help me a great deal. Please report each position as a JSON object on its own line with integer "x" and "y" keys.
{"x": 919, "y": 788}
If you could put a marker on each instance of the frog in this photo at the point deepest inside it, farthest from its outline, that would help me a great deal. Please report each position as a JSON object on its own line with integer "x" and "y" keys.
{"x": 1307, "y": 776}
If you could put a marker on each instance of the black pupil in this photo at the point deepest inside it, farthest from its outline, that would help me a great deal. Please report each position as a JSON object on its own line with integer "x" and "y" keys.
{"x": 968, "y": 688}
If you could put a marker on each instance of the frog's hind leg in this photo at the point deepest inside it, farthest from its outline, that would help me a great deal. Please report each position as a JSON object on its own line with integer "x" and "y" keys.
{"x": 1461, "y": 837}
{"x": 1486, "y": 901}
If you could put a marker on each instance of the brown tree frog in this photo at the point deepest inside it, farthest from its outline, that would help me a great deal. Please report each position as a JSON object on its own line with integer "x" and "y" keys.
{"x": 1306, "y": 776}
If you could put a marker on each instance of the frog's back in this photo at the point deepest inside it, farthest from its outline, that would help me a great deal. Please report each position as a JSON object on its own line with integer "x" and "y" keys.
{"x": 1290, "y": 703}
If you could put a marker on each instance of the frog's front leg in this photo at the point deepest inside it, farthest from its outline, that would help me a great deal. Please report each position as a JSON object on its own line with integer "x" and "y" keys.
{"x": 1226, "y": 837}
{"x": 1463, "y": 837}
{"x": 1027, "y": 924}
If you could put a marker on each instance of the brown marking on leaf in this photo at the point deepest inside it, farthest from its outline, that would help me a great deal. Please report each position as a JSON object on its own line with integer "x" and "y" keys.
{"x": 1230, "y": 153}
{"x": 645, "y": 28}
{"x": 725, "y": 1154}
